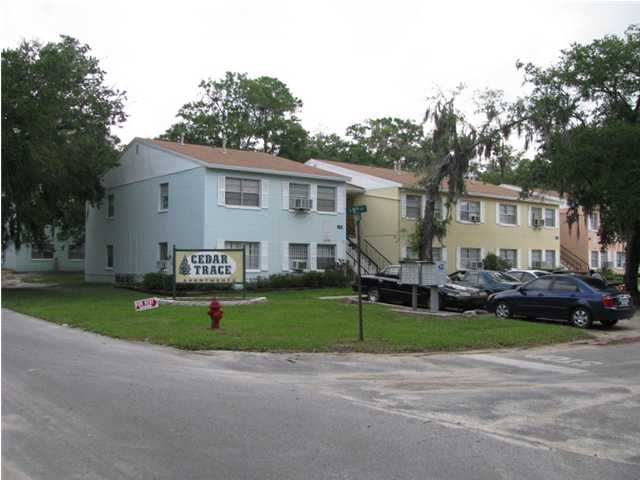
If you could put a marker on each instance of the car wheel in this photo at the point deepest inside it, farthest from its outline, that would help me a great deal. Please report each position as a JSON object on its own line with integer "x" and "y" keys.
{"x": 581, "y": 318}
{"x": 608, "y": 323}
{"x": 374, "y": 295}
{"x": 503, "y": 310}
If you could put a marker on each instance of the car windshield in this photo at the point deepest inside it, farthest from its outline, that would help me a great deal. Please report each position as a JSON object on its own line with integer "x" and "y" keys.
{"x": 502, "y": 277}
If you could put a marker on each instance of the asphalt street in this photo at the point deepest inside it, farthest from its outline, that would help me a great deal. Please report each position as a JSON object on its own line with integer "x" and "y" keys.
{"x": 81, "y": 406}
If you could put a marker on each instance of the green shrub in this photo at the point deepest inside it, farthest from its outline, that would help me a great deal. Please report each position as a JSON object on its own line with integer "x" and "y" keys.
{"x": 328, "y": 278}
{"x": 158, "y": 281}
{"x": 493, "y": 262}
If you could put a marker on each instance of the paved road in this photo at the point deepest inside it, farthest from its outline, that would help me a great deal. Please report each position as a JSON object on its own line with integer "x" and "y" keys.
{"x": 81, "y": 406}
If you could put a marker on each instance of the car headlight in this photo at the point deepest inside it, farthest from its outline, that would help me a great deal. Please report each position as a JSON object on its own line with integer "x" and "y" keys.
{"x": 491, "y": 296}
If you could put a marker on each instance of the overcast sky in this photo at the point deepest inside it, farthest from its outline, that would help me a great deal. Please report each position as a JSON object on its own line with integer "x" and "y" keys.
{"x": 347, "y": 61}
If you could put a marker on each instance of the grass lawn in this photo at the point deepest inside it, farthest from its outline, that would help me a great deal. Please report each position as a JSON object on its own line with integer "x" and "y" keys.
{"x": 290, "y": 321}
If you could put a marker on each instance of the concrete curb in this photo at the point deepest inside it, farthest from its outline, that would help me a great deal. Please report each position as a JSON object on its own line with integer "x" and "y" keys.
{"x": 205, "y": 303}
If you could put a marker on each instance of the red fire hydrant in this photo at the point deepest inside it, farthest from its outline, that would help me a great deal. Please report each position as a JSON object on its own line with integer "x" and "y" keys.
{"x": 215, "y": 312}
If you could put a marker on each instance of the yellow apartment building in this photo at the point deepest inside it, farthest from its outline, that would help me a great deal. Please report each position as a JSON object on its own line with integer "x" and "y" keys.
{"x": 487, "y": 219}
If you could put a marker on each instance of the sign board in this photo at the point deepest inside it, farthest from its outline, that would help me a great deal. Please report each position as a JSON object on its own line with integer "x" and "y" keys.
{"x": 209, "y": 266}
{"x": 433, "y": 274}
{"x": 357, "y": 210}
{"x": 146, "y": 304}
{"x": 410, "y": 273}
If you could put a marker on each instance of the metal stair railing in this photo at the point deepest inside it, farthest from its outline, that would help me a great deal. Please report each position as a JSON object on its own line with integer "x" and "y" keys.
{"x": 369, "y": 267}
{"x": 571, "y": 260}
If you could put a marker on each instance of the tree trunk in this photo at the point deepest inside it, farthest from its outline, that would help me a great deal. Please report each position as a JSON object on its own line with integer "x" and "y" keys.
{"x": 632, "y": 261}
{"x": 426, "y": 246}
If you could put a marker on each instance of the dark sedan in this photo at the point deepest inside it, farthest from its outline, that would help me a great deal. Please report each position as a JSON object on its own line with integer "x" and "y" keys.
{"x": 385, "y": 286}
{"x": 487, "y": 280}
{"x": 578, "y": 298}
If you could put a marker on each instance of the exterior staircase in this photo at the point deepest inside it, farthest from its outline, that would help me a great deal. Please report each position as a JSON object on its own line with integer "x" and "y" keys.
{"x": 572, "y": 262}
{"x": 372, "y": 260}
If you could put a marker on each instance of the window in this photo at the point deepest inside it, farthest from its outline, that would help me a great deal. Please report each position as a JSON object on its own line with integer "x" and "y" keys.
{"x": 510, "y": 255}
{"x": 164, "y": 197}
{"x": 163, "y": 251}
{"x": 595, "y": 259}
{"x": 536, "y": 214}
{"x": 44, "y": 252}
{"x": 326, "y": 256}
{"x": 438, "y": 209}
{"x": 543, "y": 283}
{"x": 436, "y": 253}
{"x": 549, "y": 217}
{"x": 470, "y": 258}
{"x": 109, "y": 257}
{"x": 251, "y": 252}
{"x": 411, "y": 254}
{"x": 299, "y": 190}
{"x": 111, "y": 206}
{"x": 75, "y": 251}
{"x": 620, "y": 259}
{"x": 242, "y": 192}
{"x": 550, "y": 258}
{"x": 562, "y": 284}
{"x": 536, "y": 258}
{"x": 508, "y": 214}
{"x": 326, "y": 199}
{"x": 298, "y": 256}
{"x": 391, "y": 271}
{"x": 594, "y": 221}
{"x": 413, "y": 206}
{"x": 469, "y": 211}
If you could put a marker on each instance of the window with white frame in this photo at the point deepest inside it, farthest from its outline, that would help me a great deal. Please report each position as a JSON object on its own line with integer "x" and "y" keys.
{"x": 299, "y": 190}
{"x": 242, "y": 192}
{"x": 620, "y": 259}
{"x": 410, "y": 253}
{"x": 536, "y": 258}
{"x": 164, "y": 197}
{"x": 508, "y": 214}
{"x": 594, "y": 221}
{"x": 75, "y": 250}
{"x": 326, "y": 257}
{"x": 509, "y": 255}
{"x": 412, "y": 207}
{"x": 549, "y": 258}
{"x": 536, "y": 215}
{"x": 251, "y": 252}
{"x": 299, "y": 256}
{"x": 438, "y": 208}
{"x": 595, "y": 259}
{"x": 436, "y": 254}
{"x": 470, "y": 258}
{"x": 604, "y": 259}
{"x": 42, "y": 252}
{"x": 163, "y": 251}
{"x": 469, "y": 211}
{"x": 326, "y": 199}
{"x": 111, "y": 205}
{"x": 109, "y": 257}
{"x": 550, "y": 217}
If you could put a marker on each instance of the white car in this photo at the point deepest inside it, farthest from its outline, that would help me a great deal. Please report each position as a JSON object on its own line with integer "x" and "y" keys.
{"x": 526, "y": 275}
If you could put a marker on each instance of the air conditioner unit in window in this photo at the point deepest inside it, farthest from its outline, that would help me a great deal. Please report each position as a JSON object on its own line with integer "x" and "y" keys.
{"x": 537, "y": 264}
{"x": 298, "y": 265}
{"x": 475, "y": 266}
{"x": 298, "y": 203}
{"x": 162, "y": 264}
{"x": 474, "y": 218}
{"x": 538, "y": 222}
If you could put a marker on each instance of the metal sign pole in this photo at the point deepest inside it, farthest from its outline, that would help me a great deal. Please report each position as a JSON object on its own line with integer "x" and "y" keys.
{"x": 174, "y": 271}
{"x": 360, "y": 326}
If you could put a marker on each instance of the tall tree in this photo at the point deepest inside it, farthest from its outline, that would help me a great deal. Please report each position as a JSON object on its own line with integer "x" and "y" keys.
{"x": 56, "y": 139}
{"x": 452, "y": 142}
{"x": 584, "y": 115}
{"x": 243, "y": 113}
{"x": 384, "y": 140}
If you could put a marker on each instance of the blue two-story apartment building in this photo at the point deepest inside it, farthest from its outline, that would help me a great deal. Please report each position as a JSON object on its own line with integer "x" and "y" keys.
{"x": 286, "y": 215}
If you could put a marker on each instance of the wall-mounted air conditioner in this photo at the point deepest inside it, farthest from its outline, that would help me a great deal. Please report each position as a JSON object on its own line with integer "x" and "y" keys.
{"x": 474, "y": 218}
{"x": 298, "y": 265}
{"x": 298, "y": 203}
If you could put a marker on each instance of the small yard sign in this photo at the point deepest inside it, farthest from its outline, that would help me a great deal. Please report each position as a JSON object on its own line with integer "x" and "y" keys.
{"x": 146, "y": 304}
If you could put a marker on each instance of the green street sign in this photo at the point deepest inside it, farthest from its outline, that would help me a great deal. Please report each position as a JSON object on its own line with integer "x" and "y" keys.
{"x": 357, "y": 210}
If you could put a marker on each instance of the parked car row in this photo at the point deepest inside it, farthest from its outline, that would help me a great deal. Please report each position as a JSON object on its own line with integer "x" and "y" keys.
{"x": 580, "y": 299}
